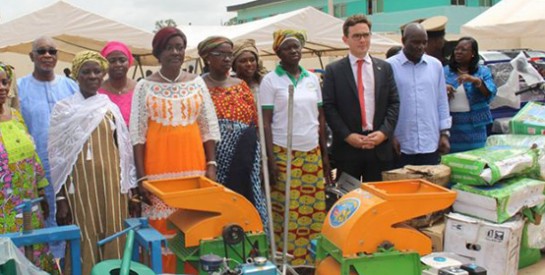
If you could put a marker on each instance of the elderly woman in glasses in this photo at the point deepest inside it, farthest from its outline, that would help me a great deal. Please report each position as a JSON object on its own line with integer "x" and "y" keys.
{"x": 173, "y": 126}
{"x": 21, "y": 174}
{"x": 92, "y": 164}
{"x": 238, "y": 157}
{"x": 309, "y": 155}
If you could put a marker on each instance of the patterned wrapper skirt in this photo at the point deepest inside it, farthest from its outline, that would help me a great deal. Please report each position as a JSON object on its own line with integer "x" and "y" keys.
{"x": 307, "y": 201}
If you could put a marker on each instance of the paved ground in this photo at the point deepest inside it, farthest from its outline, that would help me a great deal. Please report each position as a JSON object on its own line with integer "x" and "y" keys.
{"x": 537, "y": 269}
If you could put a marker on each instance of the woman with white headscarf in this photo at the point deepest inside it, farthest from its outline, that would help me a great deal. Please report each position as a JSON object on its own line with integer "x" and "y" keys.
{"x": 91, "y": 158}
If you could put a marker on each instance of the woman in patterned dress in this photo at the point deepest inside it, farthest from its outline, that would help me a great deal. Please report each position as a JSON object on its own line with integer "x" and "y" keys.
{"x": 238, "y": 153}
{"x": 309, "y": 156}
{"x": 21, "y": 174}
{"x": 173, "y": 127}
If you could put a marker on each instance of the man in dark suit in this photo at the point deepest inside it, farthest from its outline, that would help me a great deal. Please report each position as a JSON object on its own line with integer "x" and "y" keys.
{"x": 361, "y": 105}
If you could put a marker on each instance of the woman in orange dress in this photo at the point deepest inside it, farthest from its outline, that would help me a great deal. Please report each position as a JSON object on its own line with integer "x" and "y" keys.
{"x": 174, "y": 128}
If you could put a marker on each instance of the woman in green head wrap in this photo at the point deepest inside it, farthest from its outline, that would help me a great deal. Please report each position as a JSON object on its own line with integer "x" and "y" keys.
{"x": 310, "y": 162}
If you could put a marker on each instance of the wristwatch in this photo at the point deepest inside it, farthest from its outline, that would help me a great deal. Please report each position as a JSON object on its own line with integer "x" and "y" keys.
{"x": 445, "y": 133}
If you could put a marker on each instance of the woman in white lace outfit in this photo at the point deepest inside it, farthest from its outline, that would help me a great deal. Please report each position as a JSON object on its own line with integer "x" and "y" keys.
{"x": 173, "y": 128}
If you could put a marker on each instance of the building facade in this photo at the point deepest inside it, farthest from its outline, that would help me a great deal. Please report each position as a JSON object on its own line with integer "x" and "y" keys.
{"x": 386, "y": 15}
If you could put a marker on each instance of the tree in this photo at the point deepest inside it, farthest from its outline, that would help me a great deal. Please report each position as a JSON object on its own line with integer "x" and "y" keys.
{"x": 159, "y": 24}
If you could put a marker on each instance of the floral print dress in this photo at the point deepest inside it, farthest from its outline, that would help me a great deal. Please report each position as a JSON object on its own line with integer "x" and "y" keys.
{"x": 21, "y": 175}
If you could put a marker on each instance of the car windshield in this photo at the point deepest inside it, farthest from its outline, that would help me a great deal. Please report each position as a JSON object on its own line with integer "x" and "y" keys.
{"x": 491, "y": 57}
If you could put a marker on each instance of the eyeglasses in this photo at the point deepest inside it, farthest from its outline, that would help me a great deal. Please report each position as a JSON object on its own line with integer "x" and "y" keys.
{"x": 359, "y": 36}
{"x": 222, "y": 54}
{"x": 43, "y": 51}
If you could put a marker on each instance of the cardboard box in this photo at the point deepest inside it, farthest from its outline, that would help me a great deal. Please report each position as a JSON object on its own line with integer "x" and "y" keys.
{"x": 492, "y": 246}
{"x": 500, "y": 202}
{"x": 436, "y": 234}
{"x": 438, "y": 174}
{"x": 488, "y": 165}
{"x": 530, "y": 120}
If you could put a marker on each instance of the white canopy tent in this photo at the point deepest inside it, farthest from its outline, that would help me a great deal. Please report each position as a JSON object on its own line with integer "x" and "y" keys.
{"x": 324, "y": 34}
{"x": 74, "y": 30}
{"x": 510, "y": 24}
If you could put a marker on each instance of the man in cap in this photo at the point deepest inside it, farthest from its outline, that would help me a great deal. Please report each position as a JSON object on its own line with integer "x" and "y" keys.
{"x": 361, "y": 105}
{"x": 435, "y": 28}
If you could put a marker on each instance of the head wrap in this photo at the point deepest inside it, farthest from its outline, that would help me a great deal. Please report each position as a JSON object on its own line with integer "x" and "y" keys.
{"x": 85, "y": 56}
{"x": 210, "y": 43}
{"x": 113, "y": 46}
{"x": 161, "y": 38}
{"x": 280, "y": 36}
{"x": 8, "y": 69}
{"x": 248, "y": 45}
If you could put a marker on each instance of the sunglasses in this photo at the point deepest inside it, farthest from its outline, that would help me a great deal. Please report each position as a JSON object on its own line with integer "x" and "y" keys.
{"x": 43, "y": 51}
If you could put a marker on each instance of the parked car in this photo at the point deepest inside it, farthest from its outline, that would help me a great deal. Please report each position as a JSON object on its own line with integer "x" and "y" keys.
{"x": 499, "y": 63}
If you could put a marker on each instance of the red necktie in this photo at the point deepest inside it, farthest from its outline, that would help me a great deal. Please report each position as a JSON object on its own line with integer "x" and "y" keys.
{"x": 361, "y": 95}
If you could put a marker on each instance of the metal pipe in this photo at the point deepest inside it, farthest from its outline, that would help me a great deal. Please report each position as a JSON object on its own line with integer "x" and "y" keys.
{"x": 266, "y": 181}
{"x": 288, "y": 180}
{"x": 127, "y": 254}
{"x": 26, "y": 207}
{"x": 112, "y": 237}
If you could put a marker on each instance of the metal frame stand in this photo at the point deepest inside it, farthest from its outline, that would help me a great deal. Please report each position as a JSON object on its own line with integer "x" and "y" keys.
{"x": 150, "y": 240}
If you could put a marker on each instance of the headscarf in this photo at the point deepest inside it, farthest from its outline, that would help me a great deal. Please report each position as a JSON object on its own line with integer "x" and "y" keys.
{"x": 72, "y": 122}
{"x": 8, "y": 69}
{"x": 161, "y": 38}
{"x": 245, "y": 45}
{"x": 85, "y": 56}
{"x": 113, "y": 46}
{"x": 281, "y": 36}
{"x": 210, "y": 43}
{"x": 248, "y": 45}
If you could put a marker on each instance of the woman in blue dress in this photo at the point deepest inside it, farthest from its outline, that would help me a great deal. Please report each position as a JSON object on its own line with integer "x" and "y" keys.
{"x": 469, "y": 128}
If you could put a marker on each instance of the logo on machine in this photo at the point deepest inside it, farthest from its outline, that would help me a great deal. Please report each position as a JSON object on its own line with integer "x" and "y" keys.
{"x": 343, "y": 211}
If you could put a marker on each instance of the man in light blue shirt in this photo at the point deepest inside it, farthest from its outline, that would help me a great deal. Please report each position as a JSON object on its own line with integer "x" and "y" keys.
{"x": 38, "y": 93}
{"x": 422, "y": 133}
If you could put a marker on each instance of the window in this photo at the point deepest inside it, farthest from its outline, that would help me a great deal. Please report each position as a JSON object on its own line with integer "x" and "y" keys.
{"x": 339, "y": 10}
{"x": 377, "y": 6}
{"x": 458, "y": 2}
{"x": 485, "y": 3}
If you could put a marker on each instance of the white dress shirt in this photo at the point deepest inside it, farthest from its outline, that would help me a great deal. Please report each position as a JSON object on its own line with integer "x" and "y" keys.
{"x": 368, "y": 77}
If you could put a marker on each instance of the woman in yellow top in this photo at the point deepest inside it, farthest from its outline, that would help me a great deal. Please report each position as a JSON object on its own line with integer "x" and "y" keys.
{"x": 21, "y": 174}
{"x": 173, "y": 127}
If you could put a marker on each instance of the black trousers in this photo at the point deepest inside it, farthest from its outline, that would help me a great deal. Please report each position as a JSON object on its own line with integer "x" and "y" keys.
{"x": 366, "y": 166}
{"x": 419, "y": 159}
